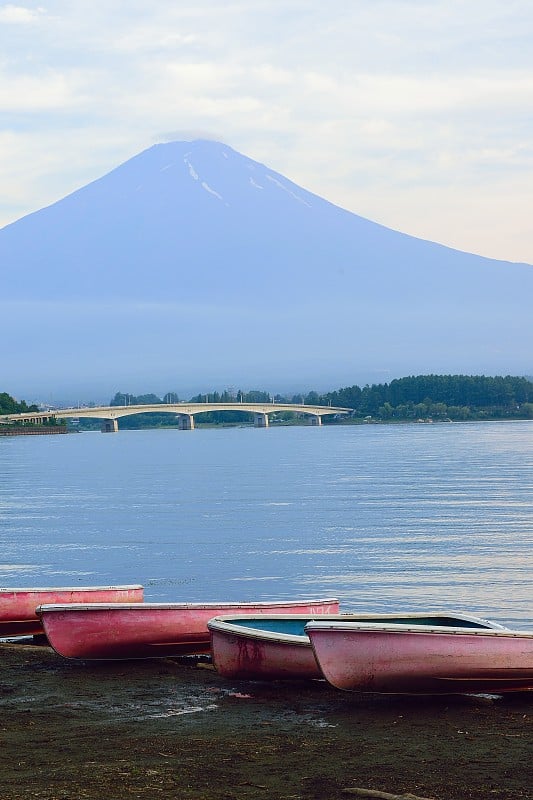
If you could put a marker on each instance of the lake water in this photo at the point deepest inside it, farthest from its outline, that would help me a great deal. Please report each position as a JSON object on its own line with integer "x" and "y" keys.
{"x": 409, "y": 517}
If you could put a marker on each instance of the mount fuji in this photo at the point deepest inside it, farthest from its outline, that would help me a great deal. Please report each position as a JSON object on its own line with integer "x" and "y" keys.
{"x": 191, "y": 267}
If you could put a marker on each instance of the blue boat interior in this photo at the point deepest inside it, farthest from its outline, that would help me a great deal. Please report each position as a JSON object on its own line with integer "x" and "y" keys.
{"x": 296, "y": 626}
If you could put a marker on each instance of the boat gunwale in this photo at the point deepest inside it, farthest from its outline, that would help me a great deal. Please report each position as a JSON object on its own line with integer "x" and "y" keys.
{"x": 225, "y": 623}
{"x": 48, "y": 607}
{"x": 38, "y": 590}
{"x": 419, "y": 630}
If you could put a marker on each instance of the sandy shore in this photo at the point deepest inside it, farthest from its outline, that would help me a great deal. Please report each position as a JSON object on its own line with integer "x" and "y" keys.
{"x": 171, "y": 729}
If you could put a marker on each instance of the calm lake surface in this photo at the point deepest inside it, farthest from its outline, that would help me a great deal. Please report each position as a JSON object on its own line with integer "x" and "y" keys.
{"x": 385, "y": 517}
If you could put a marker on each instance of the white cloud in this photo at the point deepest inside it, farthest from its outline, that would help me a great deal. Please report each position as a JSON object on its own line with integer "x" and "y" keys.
{"x": 31, "y": 93}
{"x": 408, "y": 112}
{"x": 19, "y": 15}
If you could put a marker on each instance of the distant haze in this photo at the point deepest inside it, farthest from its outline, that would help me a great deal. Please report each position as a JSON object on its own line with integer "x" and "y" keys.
{"x": 191, "y": 267}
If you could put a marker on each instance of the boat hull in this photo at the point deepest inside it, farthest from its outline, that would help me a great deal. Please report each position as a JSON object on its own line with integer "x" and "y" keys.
{"x": 18, "y": 606}
{"x": 276, "y": 647}
{"x": 153, "y": 630}
{"x": 409, "y": 660}
{"x": 257, "y": 653}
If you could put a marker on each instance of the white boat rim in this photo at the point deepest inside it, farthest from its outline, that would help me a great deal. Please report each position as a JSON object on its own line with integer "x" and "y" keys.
{"x": 70, "y": 589}
{"x": 386, "y": 627}
{"x": 45, "y": 607}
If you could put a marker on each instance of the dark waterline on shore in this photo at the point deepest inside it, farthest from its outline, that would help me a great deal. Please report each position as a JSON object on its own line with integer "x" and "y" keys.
{"x": 383, "y": 517}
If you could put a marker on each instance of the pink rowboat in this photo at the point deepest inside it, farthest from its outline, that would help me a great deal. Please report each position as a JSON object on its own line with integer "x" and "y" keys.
{"x": 17, "y": 606}
{"x": 272, "y": 647}
{"x": 152, "y": 630}
{"x": 276, "y": 647}
{"x": 417, "y": 659}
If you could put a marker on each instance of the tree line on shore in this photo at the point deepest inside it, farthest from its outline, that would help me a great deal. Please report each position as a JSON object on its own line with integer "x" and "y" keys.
{"x": 435, "y": 397}
{"x": 421, "y": 397}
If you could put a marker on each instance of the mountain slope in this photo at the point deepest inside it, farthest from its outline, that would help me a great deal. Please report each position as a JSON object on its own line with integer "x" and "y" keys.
{"x": 191, "y": 247}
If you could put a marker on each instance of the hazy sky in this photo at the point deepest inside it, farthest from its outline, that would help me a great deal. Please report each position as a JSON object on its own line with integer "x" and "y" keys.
{"x": 417, "y": 114}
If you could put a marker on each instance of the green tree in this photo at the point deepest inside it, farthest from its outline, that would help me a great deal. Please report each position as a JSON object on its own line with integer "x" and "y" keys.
{"x": 527, "y": 410}
{"x": 8, "y": 405}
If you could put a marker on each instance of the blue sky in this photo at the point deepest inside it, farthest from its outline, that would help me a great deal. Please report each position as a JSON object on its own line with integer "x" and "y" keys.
{"x": 416, "y": 114}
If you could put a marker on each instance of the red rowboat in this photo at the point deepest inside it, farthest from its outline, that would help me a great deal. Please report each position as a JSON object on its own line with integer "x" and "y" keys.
{"x": 17, "y": 606}
{"x": 151, "y": 630}
{"x": 417, "y": 659}
{"x": 274, "y": 647}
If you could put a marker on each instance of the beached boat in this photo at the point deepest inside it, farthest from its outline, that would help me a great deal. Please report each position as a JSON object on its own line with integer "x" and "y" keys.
{"x": 277, "y": 646}
{"x": 153, "y": 630}
{"x": 421, "y": 659}
{"x": 17, "y": 606}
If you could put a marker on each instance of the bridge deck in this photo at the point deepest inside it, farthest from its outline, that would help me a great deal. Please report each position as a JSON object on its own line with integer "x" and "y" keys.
{"x": 186, "y": 409}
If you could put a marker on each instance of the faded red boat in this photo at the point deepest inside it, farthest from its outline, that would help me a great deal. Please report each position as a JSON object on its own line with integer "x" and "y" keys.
{"x": 418, "y": 659}
{"x": 152, "y": 630}
{"x": 276, "y": 647}
{"x": 17, "y": 606}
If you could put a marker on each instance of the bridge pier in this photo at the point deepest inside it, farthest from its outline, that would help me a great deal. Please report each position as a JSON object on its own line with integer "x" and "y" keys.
{"x": 109, "y": 426}
{"x": 185, "y": 422}
{"x": 260, "y": 420}
{"x": 315, "y": 419}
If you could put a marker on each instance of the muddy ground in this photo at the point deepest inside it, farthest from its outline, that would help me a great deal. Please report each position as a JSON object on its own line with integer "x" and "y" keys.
{"x": 148, "y": 729}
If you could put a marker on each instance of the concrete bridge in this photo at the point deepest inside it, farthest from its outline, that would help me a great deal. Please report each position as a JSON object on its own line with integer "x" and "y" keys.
{"x": 185, "y": 413}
